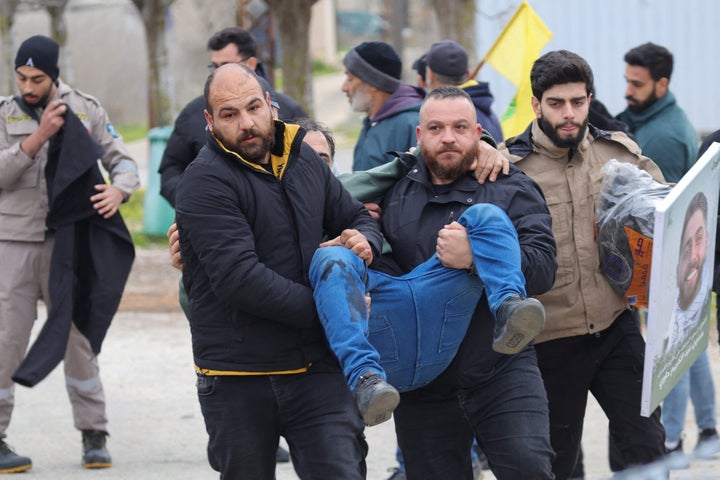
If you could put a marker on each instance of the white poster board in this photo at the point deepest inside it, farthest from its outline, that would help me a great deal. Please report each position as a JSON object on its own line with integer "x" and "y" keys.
{"x": 680, "y": 281}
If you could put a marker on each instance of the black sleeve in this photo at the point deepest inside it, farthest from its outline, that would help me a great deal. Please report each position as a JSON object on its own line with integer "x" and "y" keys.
{"x": 289, "y": 108}
{"x": 529, "y": 213}
{"x": 183, "y": 145}
{"x": 218, "y": 242}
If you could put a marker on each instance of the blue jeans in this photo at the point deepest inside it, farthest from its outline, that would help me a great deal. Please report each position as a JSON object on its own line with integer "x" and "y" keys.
{"x": 416, "y": 321}
{"x": 315, "y": 412}
{"x": 697, "y": 384}
{"x": 506, "y": 411}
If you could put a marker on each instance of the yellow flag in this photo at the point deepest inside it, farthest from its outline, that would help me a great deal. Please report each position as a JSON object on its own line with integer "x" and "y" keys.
{"x": 513, "y": 55}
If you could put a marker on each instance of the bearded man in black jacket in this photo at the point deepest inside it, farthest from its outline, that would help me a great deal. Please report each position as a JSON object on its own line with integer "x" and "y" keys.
{"x": 498, "y": 399}
{"x": 251, "y": 210}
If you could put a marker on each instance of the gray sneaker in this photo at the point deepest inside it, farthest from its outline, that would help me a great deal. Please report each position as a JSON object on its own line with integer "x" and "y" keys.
{"x": 517, "y": 322}
{"x": 11, "y": 462}
{"x": 676, "y": 458}
{"x": 376, "y": 399}
{"x": 708, "y": 444}
{"x": 95, "y": 453}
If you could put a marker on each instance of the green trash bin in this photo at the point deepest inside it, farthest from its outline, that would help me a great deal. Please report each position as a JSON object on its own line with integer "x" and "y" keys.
{"x": 158, "y": 215}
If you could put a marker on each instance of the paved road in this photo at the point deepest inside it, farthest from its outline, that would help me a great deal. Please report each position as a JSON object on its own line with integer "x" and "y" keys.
{"x": 155, "y": 422}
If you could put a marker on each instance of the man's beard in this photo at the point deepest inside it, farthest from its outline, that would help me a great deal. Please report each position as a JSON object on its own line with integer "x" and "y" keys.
{"x": 688, "y": 294}
{"x": 361, "y": 100}
{"x": 644, "y": 105}
{"x": 42, "y": 101}
{"x": 444, "y": 171}
{"x": 255, "y": 153}
{"x": 563, "y": 142}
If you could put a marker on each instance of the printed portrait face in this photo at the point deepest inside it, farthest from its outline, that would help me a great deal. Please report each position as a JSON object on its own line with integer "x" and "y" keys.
{"x": 693, "y": 250}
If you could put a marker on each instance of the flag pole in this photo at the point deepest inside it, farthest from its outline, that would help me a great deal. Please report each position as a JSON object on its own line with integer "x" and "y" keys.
{"x": 477, "y": 69}
{"x": 505, "y": 28}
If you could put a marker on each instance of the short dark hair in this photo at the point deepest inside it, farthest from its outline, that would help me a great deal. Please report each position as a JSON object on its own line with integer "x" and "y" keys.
{"x": 311, "y": 125}
{"x": 698, "y": 203}
{"x": 446, "y": 91}
{"x": 558, "y": 68}
{"x": 211, "y": 77}
{"x": 420, "y": 66}
{"x": 450, "y": 79}
{"x": 657, "y": 59}
{"x": 245, "y": 42}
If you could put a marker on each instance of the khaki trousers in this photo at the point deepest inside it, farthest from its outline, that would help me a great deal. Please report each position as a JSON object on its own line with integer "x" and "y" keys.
{"x": 24, "y": 281}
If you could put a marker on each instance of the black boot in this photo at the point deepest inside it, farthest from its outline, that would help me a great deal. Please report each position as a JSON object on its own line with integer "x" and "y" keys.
{"x": 11, "y": 462}
{"x": 517, "y": 322}
{"x": 95, "y": 454}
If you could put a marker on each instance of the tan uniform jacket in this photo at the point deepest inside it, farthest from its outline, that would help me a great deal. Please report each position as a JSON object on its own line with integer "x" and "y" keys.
{"x": 581, "y": 301}
{"x": 23, "y": 190}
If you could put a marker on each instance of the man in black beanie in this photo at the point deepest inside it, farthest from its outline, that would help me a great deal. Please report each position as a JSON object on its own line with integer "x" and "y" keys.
{"x": 40, "y": 52}
{"x": 373, "y": 87}
{"x": 27, "y": 124}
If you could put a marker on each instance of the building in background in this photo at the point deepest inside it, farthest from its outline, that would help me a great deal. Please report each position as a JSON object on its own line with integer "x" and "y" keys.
{"x": 106, "y": 45}
{"x": 603, "y": 33}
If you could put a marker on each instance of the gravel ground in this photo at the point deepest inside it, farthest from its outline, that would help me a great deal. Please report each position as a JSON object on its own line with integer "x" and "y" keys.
{"x": 155, "y": 422}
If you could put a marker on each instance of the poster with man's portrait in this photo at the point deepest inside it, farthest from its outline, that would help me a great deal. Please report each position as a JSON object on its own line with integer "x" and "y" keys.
{"x": 681, "y": 278}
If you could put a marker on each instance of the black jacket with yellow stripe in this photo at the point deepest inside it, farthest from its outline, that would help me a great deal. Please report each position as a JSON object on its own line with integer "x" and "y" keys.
{"x": 247, "y": 238}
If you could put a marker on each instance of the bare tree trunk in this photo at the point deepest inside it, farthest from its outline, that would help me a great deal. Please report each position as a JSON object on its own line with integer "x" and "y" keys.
{"x": 58, "y": 31}
{"x": 293, "y": 22}
{"x": 7, "y": 15}
{"x": 153, "y": 13}
{"x": 240, "y": 14}
{"x": 396, "y": 11}
{"x": 456, "y": 19}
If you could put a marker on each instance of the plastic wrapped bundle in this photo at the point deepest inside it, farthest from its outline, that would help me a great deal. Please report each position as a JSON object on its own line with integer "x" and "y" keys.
{"x": 625, "y": 218}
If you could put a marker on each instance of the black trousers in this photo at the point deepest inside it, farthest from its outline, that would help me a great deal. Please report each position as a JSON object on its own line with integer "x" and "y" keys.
{"x": 608, "y": 364}
{"x": 314, "y": 411}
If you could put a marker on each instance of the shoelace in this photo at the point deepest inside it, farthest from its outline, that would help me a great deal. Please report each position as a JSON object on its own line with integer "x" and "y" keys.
{"x": 370, "y": 380}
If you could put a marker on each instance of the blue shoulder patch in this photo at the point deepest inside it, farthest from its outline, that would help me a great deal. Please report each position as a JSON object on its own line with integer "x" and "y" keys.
{"x": 111, "y": 130}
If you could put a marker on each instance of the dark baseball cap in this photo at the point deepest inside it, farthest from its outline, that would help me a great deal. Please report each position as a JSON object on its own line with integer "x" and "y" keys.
{"x": 447, "y": 58}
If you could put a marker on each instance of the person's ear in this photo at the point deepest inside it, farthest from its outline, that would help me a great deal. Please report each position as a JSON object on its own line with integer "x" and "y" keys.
{"x": 251, "y": 63}
{"x": 536, "y": 106}
{"x": 208, "y": 119}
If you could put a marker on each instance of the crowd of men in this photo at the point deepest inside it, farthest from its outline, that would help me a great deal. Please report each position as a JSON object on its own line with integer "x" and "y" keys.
{"x": 297, "y": 281}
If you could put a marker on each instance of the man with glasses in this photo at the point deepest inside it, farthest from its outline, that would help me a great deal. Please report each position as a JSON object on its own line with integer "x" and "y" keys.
{"x": 230, "y": 45}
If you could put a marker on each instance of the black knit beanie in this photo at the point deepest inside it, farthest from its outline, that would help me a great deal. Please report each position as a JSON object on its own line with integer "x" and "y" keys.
{"x": 39, "y": 52}
{"x": 375, "y": 63}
